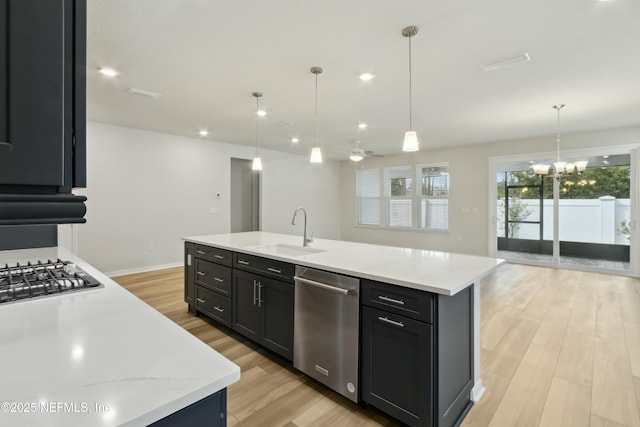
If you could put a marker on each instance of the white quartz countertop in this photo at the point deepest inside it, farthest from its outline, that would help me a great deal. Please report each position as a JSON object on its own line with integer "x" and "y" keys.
{"x": 439, "y": 272}
{"x": 100, "y": 357}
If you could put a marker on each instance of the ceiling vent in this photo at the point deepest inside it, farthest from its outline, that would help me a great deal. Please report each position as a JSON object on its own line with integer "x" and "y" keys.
{"x": 136, "y": 91}
{"x": 508, "y": 62}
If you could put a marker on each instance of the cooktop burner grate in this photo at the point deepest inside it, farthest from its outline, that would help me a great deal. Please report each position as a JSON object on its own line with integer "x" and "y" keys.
{"x": 28, "y": 281}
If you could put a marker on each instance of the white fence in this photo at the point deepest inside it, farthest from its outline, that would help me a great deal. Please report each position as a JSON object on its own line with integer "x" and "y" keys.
{"x": 581, "y": 220}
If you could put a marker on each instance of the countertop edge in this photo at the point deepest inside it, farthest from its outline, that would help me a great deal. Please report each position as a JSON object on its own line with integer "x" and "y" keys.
{"x": 305, "y": 261}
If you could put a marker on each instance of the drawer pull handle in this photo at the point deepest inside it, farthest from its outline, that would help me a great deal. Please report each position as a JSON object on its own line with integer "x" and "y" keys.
{"x": 218, "y": 256}
{"x": 201, "y": 252}
{"x": 393, "y": 322}
{"x": 395, "y": 301}
{"x": 200, "y": 300}
{"x": 200, "y": 273}
{"x": 274, "y": 270}
{"x": 217, "y": 279}
{"x": 241, "y": 261}
{"x": 219, "y": 309}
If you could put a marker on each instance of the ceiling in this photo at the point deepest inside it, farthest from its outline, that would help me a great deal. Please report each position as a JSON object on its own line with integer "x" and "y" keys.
{"x": 206, "y": 57}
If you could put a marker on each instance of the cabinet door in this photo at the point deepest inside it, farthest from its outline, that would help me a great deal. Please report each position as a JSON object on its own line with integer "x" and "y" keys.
{"x": 246, "y": 312}
{"x": 189, "y": 273}
{"x": 397, "y": 366}
{"x": 276, "y": 302}
{"x": 32, "y": 71}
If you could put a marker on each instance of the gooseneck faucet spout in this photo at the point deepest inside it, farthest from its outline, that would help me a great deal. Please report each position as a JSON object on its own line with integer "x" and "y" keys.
{"x": 305, "y": 241}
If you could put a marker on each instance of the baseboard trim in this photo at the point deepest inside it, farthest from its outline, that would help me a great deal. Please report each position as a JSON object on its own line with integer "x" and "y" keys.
{"x": 478, "y": 391}
{"x": 143, "y": 269}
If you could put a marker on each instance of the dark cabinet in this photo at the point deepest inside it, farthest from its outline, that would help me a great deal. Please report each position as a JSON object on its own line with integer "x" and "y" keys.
{"x": 42, "y": 115}
{"x": 42, "y": 95}
{"x": 210, "y": 411}
{"x": 417, "y": 353}
{"x": 189, "y": 273}
{"x": 263, "y": 311}
{"x": 214, "y": 305}
{"x": 246, "y": 304}
{"x": 397, "y": 365}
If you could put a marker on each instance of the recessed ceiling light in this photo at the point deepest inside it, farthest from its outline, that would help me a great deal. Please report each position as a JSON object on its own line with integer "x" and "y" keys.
{"x": 507, "y": 62}
{"x": 295, "y": 140}
{"x": 606, "y": 162}
{"x": 365, "y": 77}
{"x": 109, "y": 72}
{"x": 362, "y": 125}
{"x": 261, "y": 113}
{"x": 605, "y": 157}
{"x": 203, "y": 133}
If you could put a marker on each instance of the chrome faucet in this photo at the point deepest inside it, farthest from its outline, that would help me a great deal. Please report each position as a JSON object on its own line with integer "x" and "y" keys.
{"x": 305, "y": 241}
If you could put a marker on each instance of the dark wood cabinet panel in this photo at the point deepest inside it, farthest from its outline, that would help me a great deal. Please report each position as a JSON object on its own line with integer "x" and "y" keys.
{"x": 277, "y": 316}
{"x": 189, "y": 272}
{"x": 213, "y": 276}
{"x": 265, "y": 267}
{"x": 210, "y": 411}
{"x": 397, "y": 365}
{"x": 263, "y": 311}
{"x": 246, "y": 312}
{"x": 43, "y": 88}
{"x": 214, "y": 305}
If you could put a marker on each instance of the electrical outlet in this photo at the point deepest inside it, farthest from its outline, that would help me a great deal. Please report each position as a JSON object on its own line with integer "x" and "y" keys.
{"x": 150, "y": 247}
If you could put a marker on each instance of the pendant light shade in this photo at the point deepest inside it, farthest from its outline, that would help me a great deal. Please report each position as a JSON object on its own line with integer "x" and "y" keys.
{"x": 316, "y": 153}
{"x": 410, "y": 141}
{"x": 257, "y": 164}
{"x": 410, "y": 137}
{"x": 257, "y": 161}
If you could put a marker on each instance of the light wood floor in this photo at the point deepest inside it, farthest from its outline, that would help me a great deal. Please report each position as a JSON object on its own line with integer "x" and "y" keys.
{"x": 559, "y": 348}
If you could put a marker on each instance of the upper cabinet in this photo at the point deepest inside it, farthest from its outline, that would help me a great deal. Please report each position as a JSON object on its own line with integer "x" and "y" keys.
{"x": 42, "y": 96}
{"x": 42, "y": 111}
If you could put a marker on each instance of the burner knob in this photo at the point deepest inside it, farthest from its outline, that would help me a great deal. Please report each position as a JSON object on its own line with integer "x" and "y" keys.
{"x": 70, "y": 269}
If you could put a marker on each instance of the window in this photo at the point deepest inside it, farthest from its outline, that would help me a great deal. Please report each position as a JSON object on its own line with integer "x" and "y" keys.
{"x": 404, "y": 197}
{"x": 398, "y": 195}
{"x": 433, "y": 207}
{"x": 368, "y": 196}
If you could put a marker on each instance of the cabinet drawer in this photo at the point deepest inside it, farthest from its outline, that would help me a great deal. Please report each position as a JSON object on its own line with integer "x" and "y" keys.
{"x": 265, "y": 266}
{"x": 213, "y": 305}
{"x": 220, "y": 256}
{"x": 396, "y": 299}
{"x": 213, "y": 276}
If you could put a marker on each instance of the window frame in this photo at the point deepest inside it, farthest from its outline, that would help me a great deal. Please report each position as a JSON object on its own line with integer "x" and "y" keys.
{"x": 415, "y": 198}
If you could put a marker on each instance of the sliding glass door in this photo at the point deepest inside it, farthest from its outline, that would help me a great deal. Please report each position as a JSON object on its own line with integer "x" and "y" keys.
{"x": 580, "y": 220}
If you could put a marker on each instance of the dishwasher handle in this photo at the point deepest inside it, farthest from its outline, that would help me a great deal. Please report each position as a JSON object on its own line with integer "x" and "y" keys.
{"x": 323, "y": 286}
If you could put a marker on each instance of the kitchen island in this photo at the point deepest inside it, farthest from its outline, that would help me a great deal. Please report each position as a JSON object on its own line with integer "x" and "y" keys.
{"x": 431, "y": 297}
{"x": 102, "y": 357}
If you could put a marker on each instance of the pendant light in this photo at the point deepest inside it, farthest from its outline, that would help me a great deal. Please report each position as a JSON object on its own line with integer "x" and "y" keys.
{"x": 316, "y": 153}
{"x": 560, "y": 168}
{"x": 410, "y": 137}
{"x": 257, "y": 161}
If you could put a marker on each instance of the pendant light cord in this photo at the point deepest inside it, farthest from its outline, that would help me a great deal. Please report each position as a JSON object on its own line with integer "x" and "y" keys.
{"x": 558, "y": 107}
{"x": 257, "y": 122}
{"x": 316, "y": 112}
{"x": 410, "y": 99}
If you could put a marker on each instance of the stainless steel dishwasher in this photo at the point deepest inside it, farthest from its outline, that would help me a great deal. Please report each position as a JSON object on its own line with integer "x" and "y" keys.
{"x": 325, "y": 337}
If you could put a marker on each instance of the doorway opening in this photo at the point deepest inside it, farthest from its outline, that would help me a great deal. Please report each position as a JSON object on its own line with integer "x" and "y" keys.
{"x": 244, "y": 197}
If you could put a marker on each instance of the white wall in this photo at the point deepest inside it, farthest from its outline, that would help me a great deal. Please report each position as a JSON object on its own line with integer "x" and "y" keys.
{"x": 147, "y": 188}
{"x": 469, "y": 188}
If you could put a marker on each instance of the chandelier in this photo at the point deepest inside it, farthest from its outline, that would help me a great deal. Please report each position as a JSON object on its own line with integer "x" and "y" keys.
{"x": 560, "y": 168}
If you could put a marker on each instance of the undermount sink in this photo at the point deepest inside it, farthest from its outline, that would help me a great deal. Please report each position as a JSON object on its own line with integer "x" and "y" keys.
{"x": 289, "y": 250}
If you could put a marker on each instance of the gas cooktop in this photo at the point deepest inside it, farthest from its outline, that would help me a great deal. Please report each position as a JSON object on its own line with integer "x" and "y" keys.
{"x": 41, "y": 279}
